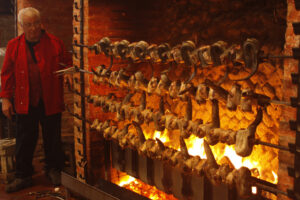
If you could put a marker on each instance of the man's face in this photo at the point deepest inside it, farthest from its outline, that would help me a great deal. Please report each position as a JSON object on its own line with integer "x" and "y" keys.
{"x": 32, "y": 27}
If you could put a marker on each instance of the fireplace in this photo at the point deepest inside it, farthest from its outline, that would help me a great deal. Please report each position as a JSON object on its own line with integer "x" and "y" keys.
{"x": 196, "y": 98}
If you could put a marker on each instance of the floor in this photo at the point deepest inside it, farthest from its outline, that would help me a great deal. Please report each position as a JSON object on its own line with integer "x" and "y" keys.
{"x": 40, "y": 190}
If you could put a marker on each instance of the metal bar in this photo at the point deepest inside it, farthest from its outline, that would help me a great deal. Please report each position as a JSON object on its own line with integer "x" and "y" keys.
{"x": 81, "y": 45}
{"x": 82, "y": 87}
{"x": 274, "y": 146}
{"x": 262, "y": 56}
{"x": 276, "y": 56}
{"x": 71, "y": 70}
{"x": 285, "y": 103}
{"x": 263, "y": 182}
{"x": 270, "y": 189}
{"x": 104, "y": 190}
{"x": 84, "y": 190}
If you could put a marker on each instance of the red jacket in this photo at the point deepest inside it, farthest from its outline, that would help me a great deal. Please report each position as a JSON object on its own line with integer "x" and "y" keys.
{"x": 49, "y": 52}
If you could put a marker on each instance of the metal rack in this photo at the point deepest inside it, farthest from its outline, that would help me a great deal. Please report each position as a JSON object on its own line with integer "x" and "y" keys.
{"x": 81, "y": 135}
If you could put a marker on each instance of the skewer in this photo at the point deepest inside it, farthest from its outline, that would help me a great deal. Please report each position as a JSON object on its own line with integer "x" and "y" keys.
{"x": 262, "y": 56}
{"x": 267, "y": 186}
{"x": 276, "y": 56}
{"x": 258, "y": 142}
{"x": 70, "y": 70}
{"x": 274, "y": 146}
{"x": 82, "y": 45}
{"x": 284, "y": 103}
{"x": 270, "y": 189}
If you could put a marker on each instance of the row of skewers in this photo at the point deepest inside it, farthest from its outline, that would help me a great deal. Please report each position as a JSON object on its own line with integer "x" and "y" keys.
{"x": 244, "y": 98}
{"x": 185, "y": 53}
{"x": 244, "y": 139}
{"x": 155, "y": 149}
{"x": 219, "y": 53}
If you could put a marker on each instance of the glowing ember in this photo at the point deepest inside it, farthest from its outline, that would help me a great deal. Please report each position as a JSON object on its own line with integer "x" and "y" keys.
{"x": 126, "y": 180}
{"x": 143, "y": 189}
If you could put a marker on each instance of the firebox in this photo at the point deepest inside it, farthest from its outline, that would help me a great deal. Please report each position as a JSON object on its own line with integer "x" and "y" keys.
{"x": 186, "y": 99}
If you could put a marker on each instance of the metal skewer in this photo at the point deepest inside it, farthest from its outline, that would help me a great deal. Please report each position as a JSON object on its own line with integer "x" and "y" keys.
{"x": 270, "y": 189}
{"x": 285, "y": 103}
{"x": 273, "y": 146}
{"x": 261, "y": 56}
{"x": 267, "y": 186}
{"x": 71, "y": 70}
{"x": 257, "y": 142}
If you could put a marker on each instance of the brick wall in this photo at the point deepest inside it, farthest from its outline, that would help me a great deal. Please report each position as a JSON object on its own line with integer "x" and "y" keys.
{"x": 7, "y": 29}
{"x": 287, "y": 136}
{"x": 204, "y": 22}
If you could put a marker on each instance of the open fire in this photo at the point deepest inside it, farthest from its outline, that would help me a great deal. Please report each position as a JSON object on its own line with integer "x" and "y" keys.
{"x": 141, "y": 188}
{"x": 195, "y": 147}
{"x": 258, "y": 161}
{"x": 211, "y": 143}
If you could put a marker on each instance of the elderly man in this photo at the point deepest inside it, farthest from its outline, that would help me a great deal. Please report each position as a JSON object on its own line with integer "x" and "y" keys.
{"x": 28, "y": 78}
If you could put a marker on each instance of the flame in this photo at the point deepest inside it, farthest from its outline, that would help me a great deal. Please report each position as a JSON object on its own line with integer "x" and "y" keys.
{"x": 163, "y": 137}
{"x": 195, "y": 147}
{"x": 141, "y": 188}
{"x": 275, "y": 177}
{"x": 239, "y": 161}
{"x": 125, "y": 180}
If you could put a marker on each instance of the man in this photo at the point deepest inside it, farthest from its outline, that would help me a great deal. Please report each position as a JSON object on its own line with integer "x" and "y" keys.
{"x": 28, "y": 78}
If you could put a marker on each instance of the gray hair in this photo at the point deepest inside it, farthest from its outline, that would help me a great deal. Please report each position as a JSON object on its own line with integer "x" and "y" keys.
{"x": 29, "y": 10}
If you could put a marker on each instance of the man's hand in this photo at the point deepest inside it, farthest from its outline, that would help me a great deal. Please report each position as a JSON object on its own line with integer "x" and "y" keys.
{"x": 7, "y": 108}
{"x": 68, "y": 80}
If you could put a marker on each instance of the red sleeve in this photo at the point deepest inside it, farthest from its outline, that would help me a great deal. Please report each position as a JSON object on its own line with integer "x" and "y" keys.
{"x": 7, "y": 74}
{"x": 65, "y": 57}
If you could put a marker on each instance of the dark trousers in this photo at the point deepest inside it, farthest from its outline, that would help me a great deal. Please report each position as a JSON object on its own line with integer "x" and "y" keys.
{"x": 27, "y": 136}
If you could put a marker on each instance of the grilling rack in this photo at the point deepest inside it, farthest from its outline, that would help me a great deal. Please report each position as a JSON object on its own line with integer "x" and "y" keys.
{"x": 261, "y": 185}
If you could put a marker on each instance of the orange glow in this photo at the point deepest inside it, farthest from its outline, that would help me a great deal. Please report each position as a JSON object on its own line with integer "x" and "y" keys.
{"x": 143, "y": 189}
{"x": 163, "y": 137}
{"x": 126, "y": 180}
{"x": 195, "y": 147}
{"x": 275, "y": 177}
